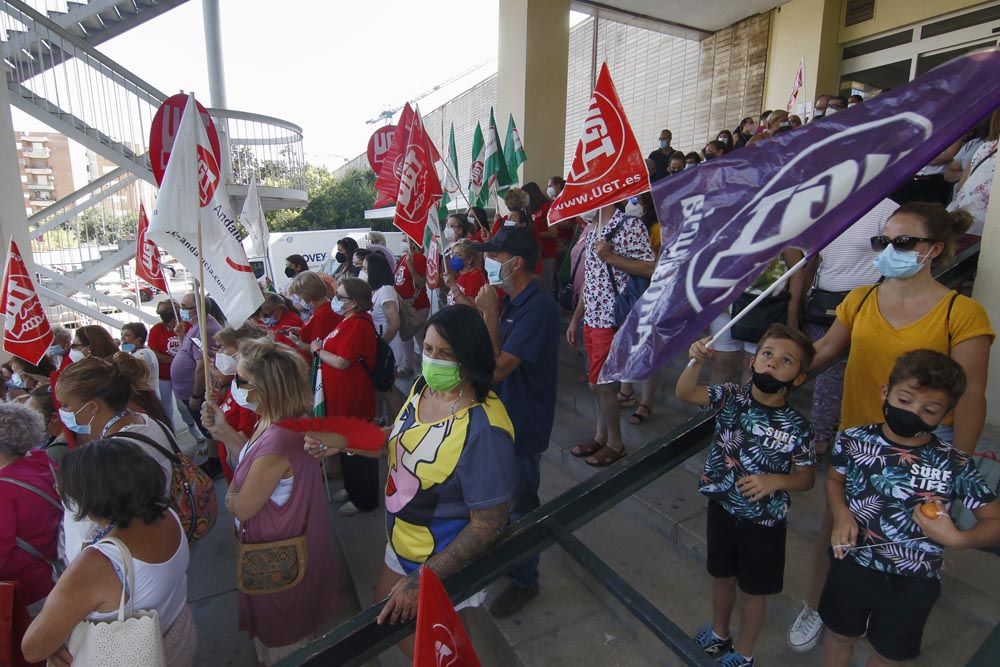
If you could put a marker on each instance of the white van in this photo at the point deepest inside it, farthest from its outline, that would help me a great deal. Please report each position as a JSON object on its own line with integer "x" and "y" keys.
{"x": 317, "y": 247}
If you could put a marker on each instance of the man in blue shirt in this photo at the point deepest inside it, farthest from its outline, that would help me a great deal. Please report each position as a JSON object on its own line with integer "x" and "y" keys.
{"x": 525, "y": 331}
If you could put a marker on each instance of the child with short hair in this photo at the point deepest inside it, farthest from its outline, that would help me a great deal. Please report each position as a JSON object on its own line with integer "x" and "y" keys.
{"x": 761, "y": 450}
{"x": 890, "y": 488}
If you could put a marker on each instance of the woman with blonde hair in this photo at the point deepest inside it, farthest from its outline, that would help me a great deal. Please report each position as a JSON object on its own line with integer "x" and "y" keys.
{"x": 277, "y": 494}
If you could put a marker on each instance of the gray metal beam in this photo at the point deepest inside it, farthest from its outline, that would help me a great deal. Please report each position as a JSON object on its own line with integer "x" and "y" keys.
{"x": 69, "y": 213}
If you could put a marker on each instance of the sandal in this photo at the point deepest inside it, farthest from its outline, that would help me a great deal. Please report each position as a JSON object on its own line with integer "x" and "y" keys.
{"x": 638, "y": 418}
{"x": 604, "y": 457}
{"x": 626, "y": 400}
{"x": 586, "y": 449}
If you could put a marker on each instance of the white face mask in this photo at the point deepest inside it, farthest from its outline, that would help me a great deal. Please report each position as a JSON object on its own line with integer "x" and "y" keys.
{"x": 240, "y": 395}
{"x": 449, "y": 234}
{"x": 633, "y": 209}
{"x": 76, "y": 355}
{"x": 225, "y": 363}
{"x": 551, "y": 192}
{"x": 363, "y": 275}
{"x": 589, "y": 216}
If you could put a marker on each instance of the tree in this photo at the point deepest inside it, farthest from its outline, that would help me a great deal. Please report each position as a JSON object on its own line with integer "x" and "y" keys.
{"x": 336, "y": 203}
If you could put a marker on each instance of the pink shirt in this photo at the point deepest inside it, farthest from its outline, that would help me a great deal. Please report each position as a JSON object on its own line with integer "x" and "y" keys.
{"x": 26, "y": 515}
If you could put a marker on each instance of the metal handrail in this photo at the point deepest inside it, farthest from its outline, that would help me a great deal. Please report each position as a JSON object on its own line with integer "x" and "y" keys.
{"x": 255, "y": 117}
{"x": 361, "y": 639}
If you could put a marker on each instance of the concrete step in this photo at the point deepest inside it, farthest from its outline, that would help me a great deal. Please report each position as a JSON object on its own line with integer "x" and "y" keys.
{"x": 670, "y": 516}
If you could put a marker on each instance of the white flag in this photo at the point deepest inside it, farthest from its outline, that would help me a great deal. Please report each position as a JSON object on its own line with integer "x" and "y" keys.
{"x": 192, "y": 193}
{"x": 252, "y": 219}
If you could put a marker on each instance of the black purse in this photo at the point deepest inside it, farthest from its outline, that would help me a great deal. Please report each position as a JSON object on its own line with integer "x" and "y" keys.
{"x": 821, "y": 306}
{"x": 773, "y": 309}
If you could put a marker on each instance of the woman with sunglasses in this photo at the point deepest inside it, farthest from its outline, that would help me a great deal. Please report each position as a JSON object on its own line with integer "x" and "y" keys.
{"x": 908, "y": 310}
{"x": 278, "y": 494}
{"x": 345, "y": 356}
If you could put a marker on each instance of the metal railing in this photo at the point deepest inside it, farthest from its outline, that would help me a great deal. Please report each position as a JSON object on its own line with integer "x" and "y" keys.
{"x": 361, "y": 639}
{"x": 267, "y": 147}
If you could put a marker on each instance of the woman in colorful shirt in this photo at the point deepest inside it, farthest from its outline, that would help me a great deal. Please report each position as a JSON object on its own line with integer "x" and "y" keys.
{"x": 451, "y": 464}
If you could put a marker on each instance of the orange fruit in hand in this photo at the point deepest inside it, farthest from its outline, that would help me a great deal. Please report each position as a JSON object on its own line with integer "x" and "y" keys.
{"x": 930, "y": 510}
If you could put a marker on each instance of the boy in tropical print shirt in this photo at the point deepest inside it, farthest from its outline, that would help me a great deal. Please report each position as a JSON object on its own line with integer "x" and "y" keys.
{"x": 890, "y": 489}
{"x": 762, "y": 450}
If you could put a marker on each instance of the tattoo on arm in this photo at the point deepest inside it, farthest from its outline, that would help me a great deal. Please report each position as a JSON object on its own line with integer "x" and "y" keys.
{"x": 484, "y": 528}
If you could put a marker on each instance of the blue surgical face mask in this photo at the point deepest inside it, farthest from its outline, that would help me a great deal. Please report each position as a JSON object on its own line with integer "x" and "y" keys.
{"x": 241, "y": 396}
{"x": 664, "y": 143}
{"x": 17, "y": 381}
{"x": 493, "y": 270}
{"x": 185, "y": 314}
{"x": 456, "y": 264}
{"x": 128, "y": 347}
{"x": 338, "y": 305}
{"x": 68, "y": 418}
{"x": 56, "y": 351}
{"x": 269, "y": 321}
{"x": 902, "y": 264}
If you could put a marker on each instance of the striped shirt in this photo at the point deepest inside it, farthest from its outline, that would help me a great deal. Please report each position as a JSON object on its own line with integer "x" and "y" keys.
{"x": 849, "y": 261}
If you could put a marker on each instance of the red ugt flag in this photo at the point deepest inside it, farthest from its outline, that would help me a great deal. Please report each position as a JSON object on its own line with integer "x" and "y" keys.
{"x": 608, "y": 165}
{"x": 441, "y": 640}
{"x": 147, "y": 255}
{"x": 26, "y": 331}
{"x": 419, "y": 186}
{"x": 387, "y": 181}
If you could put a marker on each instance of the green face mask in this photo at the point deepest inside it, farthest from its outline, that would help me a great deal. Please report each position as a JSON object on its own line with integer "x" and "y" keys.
{"x": 440, "y": 375}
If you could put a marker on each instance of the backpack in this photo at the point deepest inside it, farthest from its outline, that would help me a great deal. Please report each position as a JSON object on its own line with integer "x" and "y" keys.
{"x": 192, "y": 492}
{"x": 383, "y": 373}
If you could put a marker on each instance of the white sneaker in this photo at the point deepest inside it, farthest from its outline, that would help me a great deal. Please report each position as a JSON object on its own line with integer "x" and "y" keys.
{"x": 805, "y": 630}
{"x": 340, "y": 496}
{"x": 348, "y": 509}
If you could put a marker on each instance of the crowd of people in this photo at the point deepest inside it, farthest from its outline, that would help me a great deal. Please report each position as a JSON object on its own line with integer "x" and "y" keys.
{"x": 98, "y": 484}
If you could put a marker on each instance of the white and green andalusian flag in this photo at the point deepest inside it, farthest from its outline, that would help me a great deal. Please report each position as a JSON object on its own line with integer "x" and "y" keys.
{"x": 449, "y": 176}
{"x": 495, "y": 176}
{"x": 478, "y": 194}
{"x": 513, "y": 150}
{"x": 319, "y": 398}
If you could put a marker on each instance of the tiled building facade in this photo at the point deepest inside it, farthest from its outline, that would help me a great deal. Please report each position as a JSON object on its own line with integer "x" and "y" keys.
{"x": 46, "y": 171}
{"x": 693, "y": 88}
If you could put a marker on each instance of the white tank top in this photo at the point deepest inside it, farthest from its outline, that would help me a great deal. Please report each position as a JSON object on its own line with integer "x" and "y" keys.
{"x": 159, "y": 586}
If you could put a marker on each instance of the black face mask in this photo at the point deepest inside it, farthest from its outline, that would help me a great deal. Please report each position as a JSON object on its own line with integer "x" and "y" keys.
{"x": 289, "y": 272}
{"x": 770, "y": 384}
{"x": 340, "y": 257}
{"x": 904, "y": 423}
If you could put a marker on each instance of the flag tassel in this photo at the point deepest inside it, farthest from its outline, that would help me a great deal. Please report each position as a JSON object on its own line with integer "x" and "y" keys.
{"x": 775, "y": 286}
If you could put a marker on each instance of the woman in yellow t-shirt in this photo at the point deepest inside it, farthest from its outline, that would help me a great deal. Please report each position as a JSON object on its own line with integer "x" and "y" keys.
{"x": 909, "y": 310}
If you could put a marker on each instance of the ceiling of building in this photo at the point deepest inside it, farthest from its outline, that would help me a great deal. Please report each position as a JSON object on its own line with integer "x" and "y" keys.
{"x": 695, "y": 19}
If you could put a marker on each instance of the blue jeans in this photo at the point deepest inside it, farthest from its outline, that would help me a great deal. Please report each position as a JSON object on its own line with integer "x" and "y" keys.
{"x": 523, "y": 500}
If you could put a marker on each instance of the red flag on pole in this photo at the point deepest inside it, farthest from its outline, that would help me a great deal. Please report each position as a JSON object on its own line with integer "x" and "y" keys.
{"x": 26, "y": 332}
{"x": 419, "y": 186}
{"x": 147, "y": 255}
{"x": 608, "y": 165}
{"x": 800, "y": 78}
{"x": 387, "y": 181}
{"x": 441, "y": 640}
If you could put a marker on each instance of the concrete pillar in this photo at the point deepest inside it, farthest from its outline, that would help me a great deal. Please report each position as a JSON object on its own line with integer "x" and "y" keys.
{"x": 13, "y": 218}
{"x": 803, "y": 30}
{"x": 213, "y": 49}
{"x": 531, "y": 81}
{"x": 987, "y": 291}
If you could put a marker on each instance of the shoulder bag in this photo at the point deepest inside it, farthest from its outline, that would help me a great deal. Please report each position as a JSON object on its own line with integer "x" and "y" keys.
{"x": 627, "y": 296}
{"x": 134, "y": 638}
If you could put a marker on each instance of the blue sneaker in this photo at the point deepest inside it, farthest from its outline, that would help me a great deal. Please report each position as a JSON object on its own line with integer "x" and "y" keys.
{"x": 735, "y": 659}
{"x": 712, "y": 643}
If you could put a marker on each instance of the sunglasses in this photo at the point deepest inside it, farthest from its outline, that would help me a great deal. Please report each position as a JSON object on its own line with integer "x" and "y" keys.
{"x": 240, "y": 382}
{"x": 881, "y": 242}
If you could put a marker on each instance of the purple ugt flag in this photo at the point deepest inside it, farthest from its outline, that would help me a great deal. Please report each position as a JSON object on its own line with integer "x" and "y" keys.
{"x": 730, "y": 217}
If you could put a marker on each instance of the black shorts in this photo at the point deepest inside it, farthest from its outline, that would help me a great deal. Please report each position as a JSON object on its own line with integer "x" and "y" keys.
{"x": 752, "y": 553}
{"x": 890, "y": 608}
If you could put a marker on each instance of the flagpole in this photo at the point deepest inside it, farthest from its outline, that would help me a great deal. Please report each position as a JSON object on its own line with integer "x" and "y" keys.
{"x": 468, "y": 204}
{"x": 775, "y": 286}
{"x": 202, "y": 315}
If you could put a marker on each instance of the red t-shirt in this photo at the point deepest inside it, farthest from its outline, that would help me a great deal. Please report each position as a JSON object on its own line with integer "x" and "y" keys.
{"x": 349, "y": 392}
{"x": 289, "y": 320}
{"x": 469, "y": 283}
{"x": 541, "y": 219}
{"x": 322, "y": 322}
{"x": 163, "y": 340}
{"x": 404, "y": 281}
